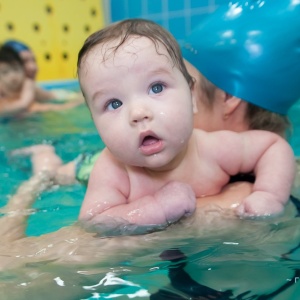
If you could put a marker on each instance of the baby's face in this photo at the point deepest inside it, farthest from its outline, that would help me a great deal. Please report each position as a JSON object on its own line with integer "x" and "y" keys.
{"x": 140, "y": 102}
{"x": 12, "y": 77}
{"x": 30, "y": 64}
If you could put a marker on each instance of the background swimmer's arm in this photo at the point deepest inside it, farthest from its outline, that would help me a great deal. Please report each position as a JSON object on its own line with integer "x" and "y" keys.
{"x": 42, "y": 107}
{"x": 43, "y": 95}
{"x": 10, "y": 107}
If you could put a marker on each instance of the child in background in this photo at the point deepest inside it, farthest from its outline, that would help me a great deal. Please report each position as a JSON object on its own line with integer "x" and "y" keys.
{"x": 17, "y": 92}
{"x": 26, "y": 55}
{"x": 31, "y": 70}
{"x": 136, "y": 84}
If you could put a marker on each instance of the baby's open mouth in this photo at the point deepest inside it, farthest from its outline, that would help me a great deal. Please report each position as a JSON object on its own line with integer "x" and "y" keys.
{"x": 151, "y": 144}
{"x": 149, "y": 140}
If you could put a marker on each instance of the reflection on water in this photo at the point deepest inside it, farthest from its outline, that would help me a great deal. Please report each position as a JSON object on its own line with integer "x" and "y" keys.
{"x": 213, "y": 256}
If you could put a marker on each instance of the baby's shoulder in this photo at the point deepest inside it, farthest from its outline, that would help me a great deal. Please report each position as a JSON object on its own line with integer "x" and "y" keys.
{"x": 108, "y": 162}
{"x": 202, "y": 138}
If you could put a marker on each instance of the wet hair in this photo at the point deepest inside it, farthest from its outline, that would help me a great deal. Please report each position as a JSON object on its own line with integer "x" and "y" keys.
{"x": 138, "y": 28}
{"x": 257, "y": 117}
{"x": 9, "y": 56}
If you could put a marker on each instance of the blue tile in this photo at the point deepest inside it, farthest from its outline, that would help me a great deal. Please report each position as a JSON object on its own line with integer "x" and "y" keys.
{"x": 195, "y": 20}
{"x": 154, "y": 6}
{"x": 177, "y": 27}
{"x": 176, "y": 19}
{"x": 221, "y": 2}
{"x": 118, "y": 10}
{"x": 135, "y": 9}
{"x": 175, "y": 5}
{"x": 198, "y": 4}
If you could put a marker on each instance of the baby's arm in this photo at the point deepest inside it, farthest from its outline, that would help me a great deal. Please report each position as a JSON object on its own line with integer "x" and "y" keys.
{"x": 107, "y": 199}
{"x": 272, "y": 160}
{"x": 275, "y": 173}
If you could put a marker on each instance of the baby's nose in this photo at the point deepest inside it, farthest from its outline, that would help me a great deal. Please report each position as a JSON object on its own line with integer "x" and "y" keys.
{"x": 140, "y": 114}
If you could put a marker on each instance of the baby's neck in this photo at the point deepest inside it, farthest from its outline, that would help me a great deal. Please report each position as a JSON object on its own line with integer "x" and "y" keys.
{"x": 178, "y": 164}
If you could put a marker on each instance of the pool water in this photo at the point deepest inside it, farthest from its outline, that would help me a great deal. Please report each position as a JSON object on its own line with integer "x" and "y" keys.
{"x": 218, "y": 258}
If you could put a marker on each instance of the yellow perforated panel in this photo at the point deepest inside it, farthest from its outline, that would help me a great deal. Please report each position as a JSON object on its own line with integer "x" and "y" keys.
{"x": 54, "y": 29}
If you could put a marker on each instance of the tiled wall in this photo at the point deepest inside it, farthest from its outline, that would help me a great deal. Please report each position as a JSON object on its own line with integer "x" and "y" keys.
{"x": 178, "y": 16}
{"x": 52, "y": 29}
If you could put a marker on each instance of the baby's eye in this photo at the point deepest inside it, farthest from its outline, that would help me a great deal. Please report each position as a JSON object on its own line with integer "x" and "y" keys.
{"x": 157, "y": 88}
{"x": 114, "y": 104}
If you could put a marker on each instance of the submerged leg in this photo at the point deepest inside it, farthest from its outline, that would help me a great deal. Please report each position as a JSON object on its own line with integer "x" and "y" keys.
{"x": 43, "y": 158}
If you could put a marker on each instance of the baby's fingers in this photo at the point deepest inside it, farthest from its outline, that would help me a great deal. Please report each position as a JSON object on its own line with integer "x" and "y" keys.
{"x": 259, "y": 205}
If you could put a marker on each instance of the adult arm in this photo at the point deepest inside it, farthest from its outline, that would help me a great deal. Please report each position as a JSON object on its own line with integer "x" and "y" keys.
{"x": 13, "y": 223}
{"x": 230, "y": 197}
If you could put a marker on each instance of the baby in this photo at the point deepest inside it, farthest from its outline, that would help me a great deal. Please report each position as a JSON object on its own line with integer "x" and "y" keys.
{"x": 152, "y": 169}
{"x": 13, "y": 82}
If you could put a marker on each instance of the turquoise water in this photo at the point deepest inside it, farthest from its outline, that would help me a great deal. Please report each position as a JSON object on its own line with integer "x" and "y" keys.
{"x": 71, "y": 132}
{"x": 218, "y": 258}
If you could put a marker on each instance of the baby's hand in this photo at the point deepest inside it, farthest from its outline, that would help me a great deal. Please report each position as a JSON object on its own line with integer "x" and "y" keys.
{"x": 177, "y": 200}
{"x": 260, "y": 204}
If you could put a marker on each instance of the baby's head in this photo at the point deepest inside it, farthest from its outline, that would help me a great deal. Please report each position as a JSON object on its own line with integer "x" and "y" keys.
{"x": 138, "y": 91}
{"x": 26, "y": 55}
{"x": 121, "y": 31}
{"x": 12, "y": 74}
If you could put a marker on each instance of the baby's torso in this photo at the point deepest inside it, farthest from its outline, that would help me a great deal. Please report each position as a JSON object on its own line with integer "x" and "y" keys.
{"x": 204, "y": 175}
